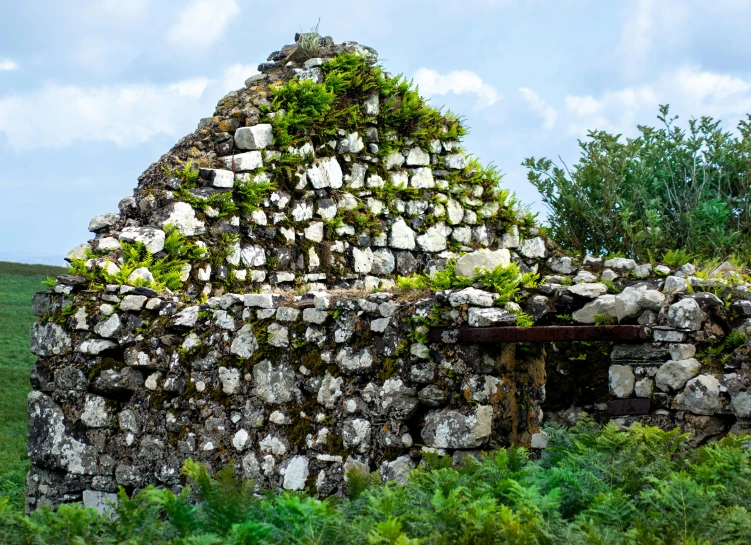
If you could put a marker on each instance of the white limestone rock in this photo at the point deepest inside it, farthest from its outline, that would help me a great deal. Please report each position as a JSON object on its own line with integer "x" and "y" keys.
{"x": 254, "y": 138}
{"x": 604, "y": 305}
{"x": 401, "y": 237}
{"x": 468, "y": 264}
{"x": 422, "y": 178}
{"x": 675, "y": 373}
{"x": 242, "y": 162}
{"x": 484, "y": 317}
{"x": 455, "y": 430}
{"x": 533, "y": 248}
{"x": 105, "y": 221}
{"x": 701, "y": 395}
{"x": 326, "y": 173}
{"x": 151, "y": 237}
{"x": 221, "y": 178}
{"x": 472, "y": 296}
{"x": 244, "y": 344}
{"x": 417, "y": 157}
{"x": 686, "y": 314}
{"x": 621, "y": 380}
{"x": 353, "y": 361}
{"x": 230, "y": 379}
{"x": 588, "y": 290}
{"x": 296, "y": 473}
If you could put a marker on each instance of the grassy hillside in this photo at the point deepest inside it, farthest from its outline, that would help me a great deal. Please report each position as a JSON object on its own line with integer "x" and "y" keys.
{"x": 17, "y": 284}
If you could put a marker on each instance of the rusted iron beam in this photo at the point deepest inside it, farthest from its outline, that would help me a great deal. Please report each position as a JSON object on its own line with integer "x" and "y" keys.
{"x": 540, "y": 334}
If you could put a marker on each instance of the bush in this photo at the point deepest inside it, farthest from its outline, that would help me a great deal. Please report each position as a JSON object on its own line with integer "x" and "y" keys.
{"x": 592, "y": 485}
{"x": 667, "y": 189}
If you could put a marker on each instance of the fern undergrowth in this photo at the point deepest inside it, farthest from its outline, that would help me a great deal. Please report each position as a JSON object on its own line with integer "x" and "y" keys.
{"x": 592, "y": 485}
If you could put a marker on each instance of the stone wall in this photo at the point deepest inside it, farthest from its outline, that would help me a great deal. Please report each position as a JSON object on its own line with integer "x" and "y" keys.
{"x": 243, "y": 306}
{"x": 295, "y": 389}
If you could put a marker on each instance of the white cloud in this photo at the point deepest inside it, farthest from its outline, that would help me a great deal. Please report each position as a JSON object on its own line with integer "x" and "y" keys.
{"x": 57, "y": 116}
{"x": 690, "y": 91}
{"x": 6, "y": 65}
{"x": 538, "y": 105}
{"x": 201, "y": 23}
{"x": 235, "y": 76}
{"x": 128, "y": 8}
{"x": 648, "y": 24}
{"x": 459, "y": 82}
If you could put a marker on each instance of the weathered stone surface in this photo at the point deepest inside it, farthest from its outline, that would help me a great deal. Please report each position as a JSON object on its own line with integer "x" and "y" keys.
{"x": 686, "y": 314}
{"x": 105, "y": 221}
{"x": 422, "y": 178}
{"x": 296, "y": 473}
{"x": 674, "y": 374}
{"x": 152, "y": 238}
{"x": 353, "y": 361}
{"x": 455, "y": 430}
{"x": 95, "y": 412}
{"x": 110, "y": 327}
{"x": 589, "y": 290}
{"x": 604, "y": 305}
{"x": 621, "y": 379}
{"x": 103, "y": 502}
{"x": 701, "y": 395}
{"x": 468, "y": 264}
{"x": 533, "y": 248}
{"x": 244, "y": 344}
{"x": 49, "y": 339}
{"x": 51, "y": 445}
{"x": 133, "y": 303}
{"x": 674, "y": 284}
{"x": 472, "y": 296}
{"x": 356, "y": 434}
{"x": 330, "y": 391}
{"x": 254, "y": 138}
{"x": 182, "y": 216}
{"x": 230, "y": 379}
{"x": 620, "y": 264}
{"x": 326, "y": 173}
{"x": 273, "y": 383}
{"x": 626, "y": 303}
{"x": 741, "y": 405}
{"x": 402, "y": 237}
{"x": 188, "y": 317}
{"x": 484, "y": 317}
{"x": 562, "y": 265}
{"x": 434, "y": 239}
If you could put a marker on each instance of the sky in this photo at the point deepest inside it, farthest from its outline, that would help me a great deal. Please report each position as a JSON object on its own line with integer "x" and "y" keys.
{"x": 93, "y": 92}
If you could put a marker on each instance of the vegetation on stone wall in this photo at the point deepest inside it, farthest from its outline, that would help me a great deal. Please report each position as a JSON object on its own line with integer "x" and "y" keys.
{"x": 667, "y": 189}
{"x": 592, "y": 485}
{"x": 319, "y": 110}
{"x": 166, "y": 272}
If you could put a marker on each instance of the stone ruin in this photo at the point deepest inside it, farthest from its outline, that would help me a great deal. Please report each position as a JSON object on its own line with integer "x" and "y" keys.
{"x": 242, "y": 306}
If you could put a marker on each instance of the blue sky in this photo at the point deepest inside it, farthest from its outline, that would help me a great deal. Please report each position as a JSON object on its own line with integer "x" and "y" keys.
{"x": 92, "y": 92}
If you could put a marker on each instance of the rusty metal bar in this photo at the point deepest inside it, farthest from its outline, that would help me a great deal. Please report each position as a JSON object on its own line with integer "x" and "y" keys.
{"x": 541, "y": 334}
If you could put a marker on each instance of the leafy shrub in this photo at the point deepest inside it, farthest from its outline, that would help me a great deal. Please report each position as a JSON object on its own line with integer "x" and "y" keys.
{"x": 593, "y": 484}
{"x": 667, "y": 189}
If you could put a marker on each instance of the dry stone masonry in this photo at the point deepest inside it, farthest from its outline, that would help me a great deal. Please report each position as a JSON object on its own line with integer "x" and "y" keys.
{"x": 243, "y": 305}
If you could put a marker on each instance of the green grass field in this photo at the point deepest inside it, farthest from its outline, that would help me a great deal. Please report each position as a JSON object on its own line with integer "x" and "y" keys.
{"x": 17, "y": 284}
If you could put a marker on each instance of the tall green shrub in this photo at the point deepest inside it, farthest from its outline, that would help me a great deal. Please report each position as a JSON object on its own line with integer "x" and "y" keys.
{"x": 666, "y": 189}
